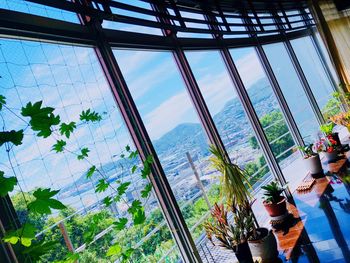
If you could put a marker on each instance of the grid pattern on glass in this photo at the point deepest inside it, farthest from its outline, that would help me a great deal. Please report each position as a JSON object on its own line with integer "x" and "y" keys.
{"x": 174, "y": 128}
{"x": 292, "y": 90}
{"x": 40, "y": 10}
{"x": 314, "y": 71}
{"x": 228, "y": 114}
{"x": 70, "y": 80}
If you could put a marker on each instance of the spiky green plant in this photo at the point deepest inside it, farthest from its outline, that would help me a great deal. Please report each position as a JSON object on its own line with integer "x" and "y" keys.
{"x": 234, "y": 181}
{"x": 327, "y": 128}
{"x": 230, "y": 235}
{"x": 273, "y": 192}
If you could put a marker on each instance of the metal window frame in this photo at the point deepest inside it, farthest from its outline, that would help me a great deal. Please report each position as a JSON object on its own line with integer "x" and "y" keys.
{"x": 32, "y": 27}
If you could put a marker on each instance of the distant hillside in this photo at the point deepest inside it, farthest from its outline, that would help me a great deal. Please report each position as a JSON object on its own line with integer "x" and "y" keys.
{"x": 190, "y": 137}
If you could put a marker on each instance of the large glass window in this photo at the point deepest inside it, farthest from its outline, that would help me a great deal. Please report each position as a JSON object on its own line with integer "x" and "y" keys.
{"x": 315, "y": 73}
{"x": 292, "y": 90}
{"x": 265, "y": 104}
{"x": 174, "y": 128}
{"x": 228, "y": 114}
{"x": 70, "y": 80}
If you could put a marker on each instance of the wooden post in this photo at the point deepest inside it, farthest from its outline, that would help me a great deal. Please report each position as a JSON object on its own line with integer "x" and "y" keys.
{"x": 66, "y": 237}
{"x": 194, "y": 169}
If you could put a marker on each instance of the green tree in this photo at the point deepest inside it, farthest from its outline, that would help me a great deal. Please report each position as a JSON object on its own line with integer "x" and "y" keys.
{"x": 275, "y": 127}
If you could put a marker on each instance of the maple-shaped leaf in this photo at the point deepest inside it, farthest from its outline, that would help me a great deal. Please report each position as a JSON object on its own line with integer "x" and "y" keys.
{"x": 14, "y": 137}
{"x": 37, "y": 250}
{"x": 120, "y": 223}
{"x": 41, "y": 119}
{"x": 59, "y": 146}
{"x": 122, "y": 188}
{"x": 2, "y": 101}
{"x": 128, "y": 253}
{"x": 83, "y": 153}
{"x": 133, "y": 155}
{"x": 114, "y": 250}
{"x": 146, "y": 191}
{"x": 25, "y": 235}
{"x": 69, "y": 258}
{"x": 7, "y": 184}
{"x": 139, "y": 217}
{"x": 67, "y": 128}
{"x": 133, "y": 168}
{"x": 146, "y": 170}
{"x": 135, "y": 206}
{"x": 89, "y": 115}
{"x": 44, "y": 202}
{"x": 107, "y": 201}
{"x": 90, "y": 172}
{"x": 101, "y": 186}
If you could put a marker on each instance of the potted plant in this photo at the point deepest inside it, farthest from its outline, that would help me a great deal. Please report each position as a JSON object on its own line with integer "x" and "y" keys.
{"x": 329, "y": 147}
{"x": 327, "y": 129}
{"x": 235, "y": 189}
{"x": 231, "y": 236}
{"x": 234, "y": 181}
{"x": 275, "y": 203}
{"x": 312, "y": 159}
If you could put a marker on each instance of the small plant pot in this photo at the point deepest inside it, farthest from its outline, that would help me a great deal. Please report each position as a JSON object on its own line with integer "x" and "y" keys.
{"x": 313, "y": 165}
{"x": 243, "y": 253}
{"x": 265, "y": 246}
{"x": 276, "y": 209}
{"x": 332, "y": 156}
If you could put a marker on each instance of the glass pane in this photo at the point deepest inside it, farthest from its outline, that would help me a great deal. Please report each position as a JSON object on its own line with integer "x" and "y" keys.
{"x": 174, "y": 128}
{"x": 38, "y": 9}
{"x": 70, "y": 80}
{"x": 228, "y": 114}
{"x": 292, "y": 90}
{"x": 265, "y": 104}
{"x": 315, "y": 73}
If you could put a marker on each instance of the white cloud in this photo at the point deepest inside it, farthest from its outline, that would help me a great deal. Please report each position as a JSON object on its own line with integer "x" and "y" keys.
{"x": 250, "y": 69}
{"x": 176, "y": 110}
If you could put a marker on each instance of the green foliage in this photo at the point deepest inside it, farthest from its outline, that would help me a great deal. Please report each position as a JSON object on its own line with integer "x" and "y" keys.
{"x": 67, "y": 128}
{"x": 273, "y": 192}
{"x": 123, "y": 187}
{"x": 137, "y": 211}
{"x": 275, "y": 127}
{"x": 83, "y": 153}
{"x": 14, "y": 137}
{"x": 59, "y": 146}
{"x": 89, "y": 115}
{"x": 41, "y": 119}
{"x": 37, "y": 250}
{"x": 2, "y": 101}
{"x": 120, "y": 223}
{"x": 234, "y": 180}
{"x": 327, "y": 128}
{"x": 101, "y": 186}
{"x": 44, "y": 202}
{"x": 7, "y": 184}
{"x": 107, "y": 201}
{"x": 146, "y": 191}
{"x": 25, "y": 235}
{"x": 90, "y": 172}
{"x": 114, "y": 250}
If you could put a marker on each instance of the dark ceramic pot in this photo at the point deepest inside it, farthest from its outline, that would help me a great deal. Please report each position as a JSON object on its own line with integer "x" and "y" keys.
{"x": 243, "y": 253}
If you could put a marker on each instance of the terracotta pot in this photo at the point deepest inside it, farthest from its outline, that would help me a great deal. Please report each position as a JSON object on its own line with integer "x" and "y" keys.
{"x": 243, "y": 253}
{"x": 332, "y": 156}
{"x": 276, "y": 209}
{"x": 265, "y": 247}
{"x": 313, "y": 164}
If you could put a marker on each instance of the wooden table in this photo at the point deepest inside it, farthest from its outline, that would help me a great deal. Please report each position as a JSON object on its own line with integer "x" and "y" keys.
{"x": 289, "y": 240}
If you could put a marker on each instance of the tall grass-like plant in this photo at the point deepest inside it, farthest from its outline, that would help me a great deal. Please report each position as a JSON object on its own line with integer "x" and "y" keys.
{"x": 234, "y": 181}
